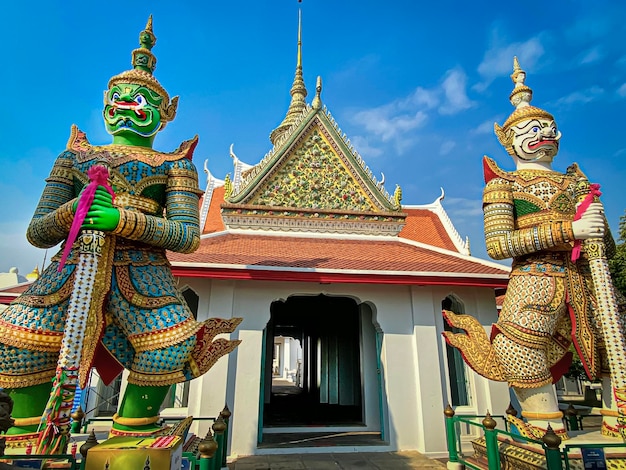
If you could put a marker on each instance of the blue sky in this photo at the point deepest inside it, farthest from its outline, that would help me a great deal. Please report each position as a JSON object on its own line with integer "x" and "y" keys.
{"x": 415, "y": 85}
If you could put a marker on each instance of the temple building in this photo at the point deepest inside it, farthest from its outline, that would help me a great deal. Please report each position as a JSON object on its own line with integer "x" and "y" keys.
{"x": 340, "y": 286}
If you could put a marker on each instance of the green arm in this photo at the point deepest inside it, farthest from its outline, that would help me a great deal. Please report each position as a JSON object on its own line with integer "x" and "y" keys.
{"x": 53, "y": 216}
{"x": 179, "y": 231}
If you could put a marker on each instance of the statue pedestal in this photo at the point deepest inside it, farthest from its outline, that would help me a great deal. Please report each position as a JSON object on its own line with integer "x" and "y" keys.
{"x": 123, "y": 453}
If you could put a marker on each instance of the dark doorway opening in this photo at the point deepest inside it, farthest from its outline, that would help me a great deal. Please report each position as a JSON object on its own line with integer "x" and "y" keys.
{"x": 324, "y": 388}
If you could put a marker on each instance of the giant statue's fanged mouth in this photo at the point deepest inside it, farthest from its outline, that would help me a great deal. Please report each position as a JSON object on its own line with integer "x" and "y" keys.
{"x": 133, "y": 106}
{"x": 541, "y": 143}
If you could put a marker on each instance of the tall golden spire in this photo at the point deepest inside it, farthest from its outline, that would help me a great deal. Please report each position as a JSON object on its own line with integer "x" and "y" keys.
{"x": 298, "y": 92}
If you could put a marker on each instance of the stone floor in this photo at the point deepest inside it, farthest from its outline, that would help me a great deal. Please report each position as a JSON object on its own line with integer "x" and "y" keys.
{"x": 336, "y": 461}
{"x": 321, "y": 439}
{"x": 282, "y": 389}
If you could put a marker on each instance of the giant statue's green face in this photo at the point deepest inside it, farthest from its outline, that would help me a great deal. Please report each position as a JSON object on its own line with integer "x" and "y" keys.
{"x": 132, "y": 110}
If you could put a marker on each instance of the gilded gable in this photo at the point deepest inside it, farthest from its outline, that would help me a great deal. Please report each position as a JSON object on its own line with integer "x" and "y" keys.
{"x": 313, "y": 177}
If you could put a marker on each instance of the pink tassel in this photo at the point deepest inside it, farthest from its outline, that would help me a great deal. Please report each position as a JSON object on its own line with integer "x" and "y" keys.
{"x": 594, "y": 191}
{"x": 98, "y": 176}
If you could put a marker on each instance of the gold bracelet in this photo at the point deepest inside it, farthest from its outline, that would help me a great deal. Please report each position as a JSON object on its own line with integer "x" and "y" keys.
{"x": 539, "y": 415}
{"x": 567, "y": 231}
{"x": 27, "y": 421}
{"x": 134, "y": 421}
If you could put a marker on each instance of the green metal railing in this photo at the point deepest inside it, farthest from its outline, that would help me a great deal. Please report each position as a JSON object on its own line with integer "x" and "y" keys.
{"x": 556, "y": 459}
{"x": 213, "y": 450}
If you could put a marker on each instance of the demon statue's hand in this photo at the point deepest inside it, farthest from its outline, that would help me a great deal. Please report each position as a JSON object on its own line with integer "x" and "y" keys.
{"x": 102, "y": 215}
{"x": 591, "y": 224}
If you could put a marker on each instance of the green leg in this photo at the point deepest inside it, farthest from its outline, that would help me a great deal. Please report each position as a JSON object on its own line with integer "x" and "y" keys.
{"x": 140, "y": 402}
{"x": 28, "y": 402}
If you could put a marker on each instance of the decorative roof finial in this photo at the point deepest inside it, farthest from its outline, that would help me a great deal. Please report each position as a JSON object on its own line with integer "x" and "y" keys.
{"x": 298, "y": 92}
{"x": 299, "y": 59}
{"x": 317, "y": 101}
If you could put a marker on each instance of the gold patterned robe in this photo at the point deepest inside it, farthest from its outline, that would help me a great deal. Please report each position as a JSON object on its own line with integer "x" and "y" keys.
{"x": 138, "y": 319}
{"x": 550, "y": 300}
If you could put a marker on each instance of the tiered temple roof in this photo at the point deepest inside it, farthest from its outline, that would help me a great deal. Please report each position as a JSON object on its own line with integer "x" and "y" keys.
{"x": 311, "y": 210}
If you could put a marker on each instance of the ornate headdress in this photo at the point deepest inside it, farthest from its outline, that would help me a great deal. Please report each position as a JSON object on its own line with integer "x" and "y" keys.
{"x": 520, "y": 97}
{"x": 144, "y": 63}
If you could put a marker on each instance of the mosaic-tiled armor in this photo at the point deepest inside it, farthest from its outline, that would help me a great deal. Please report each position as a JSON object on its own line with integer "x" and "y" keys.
{"x": 136, "y": 318}
{"x": 146, "y": 325}
{"x": 552, "y": 301}
{"x": 528, "y": 217}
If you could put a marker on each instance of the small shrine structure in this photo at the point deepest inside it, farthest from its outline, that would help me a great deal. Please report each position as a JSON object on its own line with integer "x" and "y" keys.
{"x": 340, "y": 286}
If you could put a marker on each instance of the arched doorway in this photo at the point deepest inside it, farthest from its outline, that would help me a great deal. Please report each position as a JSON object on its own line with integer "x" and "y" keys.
{"x": 313, "y": 370}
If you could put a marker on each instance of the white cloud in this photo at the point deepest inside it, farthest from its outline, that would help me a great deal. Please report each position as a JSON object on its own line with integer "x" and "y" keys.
{"x": 621, "y": 91}
{"x": 486, "y": 127}
{"x": 447, "y": 147}
{"x": 591, "y": 56}
{"x": 498, "y": 60}
{"x": 465, "y": 208}
{"x": 422, "y": 97}
{"x": 580, "y": 97}
{"x": 362, "y": 145}
{"x": 454, "y": 91}
{"x": 389, "y": 122}
{"x": 395, "y": 122}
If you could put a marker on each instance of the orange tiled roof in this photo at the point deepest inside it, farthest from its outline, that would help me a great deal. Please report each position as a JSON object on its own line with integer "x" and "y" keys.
{"x": 388, "y": 256}
{"x": 7, "y": 294}
{"x": 214, "y": 222}
{"x": 424, "y": 226}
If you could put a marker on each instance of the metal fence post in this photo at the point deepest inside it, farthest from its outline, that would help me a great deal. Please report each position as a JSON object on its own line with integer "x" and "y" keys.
{"x": 572, "y": 417}
{"x": 553, "y": 454}
{"x": 207, "y": 449}
{"x": 491, "y": 442}
{"x": 77, "y": 420}
{"x": 219, "y": 426}
{"x": 451, "y": 434}
{"x": 225, "y": 414}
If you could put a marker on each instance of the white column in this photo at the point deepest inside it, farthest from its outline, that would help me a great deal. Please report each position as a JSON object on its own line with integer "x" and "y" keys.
{"x": 399, "y": 366}
{"x": 207, "y": 394}
{"x": 245, "y": 419}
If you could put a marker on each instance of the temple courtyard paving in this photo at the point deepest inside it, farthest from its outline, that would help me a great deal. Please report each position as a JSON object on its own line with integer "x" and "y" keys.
{"x": 344, "y": 461}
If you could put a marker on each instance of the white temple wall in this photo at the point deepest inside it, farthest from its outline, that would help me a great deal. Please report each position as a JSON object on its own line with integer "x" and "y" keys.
{"x": 425, "y": 308}
{"x": 216, "y": 300}
{"x": 484, "y": 395}
{"x": 412, "y": 355}
{"x": 290, "y": 353}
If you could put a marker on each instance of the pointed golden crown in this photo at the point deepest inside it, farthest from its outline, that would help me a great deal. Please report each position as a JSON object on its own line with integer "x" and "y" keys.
{"x": 520, "y": 98}
{"x": 144, "y": 63}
